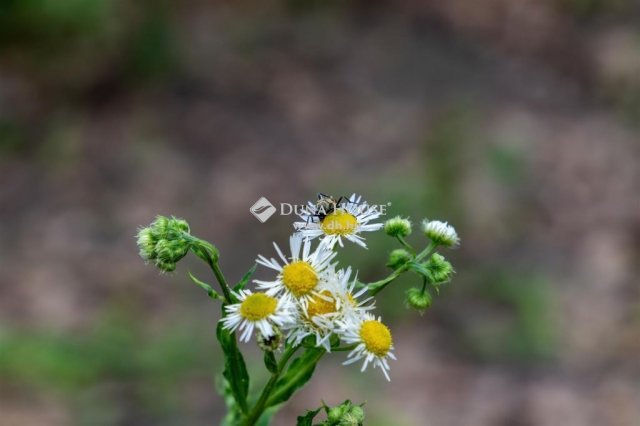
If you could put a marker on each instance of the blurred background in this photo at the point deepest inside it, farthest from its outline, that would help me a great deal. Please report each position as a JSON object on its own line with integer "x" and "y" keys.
{"x": 515, "y": 120}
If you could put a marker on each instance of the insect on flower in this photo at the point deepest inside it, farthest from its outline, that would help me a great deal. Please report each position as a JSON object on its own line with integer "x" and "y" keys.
{"x": 337, "y": 219}
{"x": 326, "y": 205}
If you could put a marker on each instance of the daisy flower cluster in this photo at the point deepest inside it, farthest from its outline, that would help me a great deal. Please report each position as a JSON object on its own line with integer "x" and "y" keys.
{"x": 310, "y": 296}
{"x": 309, "y": 300}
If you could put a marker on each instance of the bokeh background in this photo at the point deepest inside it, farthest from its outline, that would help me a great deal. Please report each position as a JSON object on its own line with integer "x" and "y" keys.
{"x": 516, "y": 120}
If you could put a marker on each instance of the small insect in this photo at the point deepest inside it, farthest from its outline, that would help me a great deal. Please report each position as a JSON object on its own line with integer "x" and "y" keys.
{"x": 326, "y": 205}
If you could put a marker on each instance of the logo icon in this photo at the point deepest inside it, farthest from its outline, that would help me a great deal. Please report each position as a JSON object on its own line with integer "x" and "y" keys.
{"x": 262, "y": 209}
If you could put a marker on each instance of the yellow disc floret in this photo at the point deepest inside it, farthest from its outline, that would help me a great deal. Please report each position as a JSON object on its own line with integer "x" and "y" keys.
{"x": 352, "y": 300}
{"x": 320, "y": 305}
{"x": 299, "y": 277}
{"x": 258, "y": 306}
{"x": 339, "y": 222}
{"x": 376, "y": 337}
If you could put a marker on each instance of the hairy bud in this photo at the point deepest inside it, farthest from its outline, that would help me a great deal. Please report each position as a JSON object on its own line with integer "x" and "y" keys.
{"x": 397, "y": 258}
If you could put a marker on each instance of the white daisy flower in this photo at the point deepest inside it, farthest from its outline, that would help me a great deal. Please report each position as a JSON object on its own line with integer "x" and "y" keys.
{"x": 373, "y": 342}
{"x": 347, "y": 295}
{"x": 258, "y": 310}
{"x": 337, "y": 302}
{"x": 353, "y": 306}
{"x": 316, "y": 318}
{"x": 301, "y": 275}
{"x": 440, "y": 233}
{"x": 347, "y": 221}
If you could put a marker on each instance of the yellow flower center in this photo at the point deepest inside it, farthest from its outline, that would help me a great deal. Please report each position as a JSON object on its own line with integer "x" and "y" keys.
{"x": 321, "y": 305}
{"x": 352, "y": 300}
{"x": 376, "y": 337}
{"x": 299, "y": 277}
{"x": 339, "y": 222}
{"x": 258, "y": 306}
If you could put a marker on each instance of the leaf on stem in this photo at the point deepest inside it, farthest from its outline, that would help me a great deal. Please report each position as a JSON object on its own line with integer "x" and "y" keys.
{"x": 235, "y": 369}
{"x": 245, "y": 278}
{"x": 297, "y": 375}
{"x": 307, "y": 419}
{"x": 206, "y": 287}
{"x": 270, "y": 362}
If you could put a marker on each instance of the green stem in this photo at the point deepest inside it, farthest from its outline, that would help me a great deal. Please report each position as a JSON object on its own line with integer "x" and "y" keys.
{"x": 377, "y": 286}
{"x": 426, "y": 252}
{"x": 406, "y": 245}
{"x": 207, "y": 252}
{"x": 293, "y": 382}
{"x": 259, "y": 407}
{"x": 223, "y": 282}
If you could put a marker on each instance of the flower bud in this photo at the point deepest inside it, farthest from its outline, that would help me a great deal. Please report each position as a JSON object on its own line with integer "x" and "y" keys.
{"x": 335, "y": 414}
{"x": 165, "y": 242}
{"x": 345, "y": 414}
{"x": 172, "y": 250}
{"x": 147, "y": 243}
{"x": 397, "y": 258}
{"x": 441, "y": 233}
{"x": 418, "y": 299}
{"x": 439, "y": 268}
{"x": 166, "y": 265}
{"x": 397, "y": 227}
{"x": 164, "y": 227}
{"x": 355, "y": 417}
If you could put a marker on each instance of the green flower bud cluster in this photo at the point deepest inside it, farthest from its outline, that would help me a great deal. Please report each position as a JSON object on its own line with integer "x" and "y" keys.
{"x": 435, "y": 271}
{"x": 164, "y": 242}
{"x": 345, "y": 414}
{"x": 432, "y": 267}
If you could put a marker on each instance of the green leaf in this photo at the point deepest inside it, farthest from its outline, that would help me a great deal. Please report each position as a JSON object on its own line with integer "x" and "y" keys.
{"x": 233, "y": 416}
{"x": 206, "y": 287}
{"x": 296, "y": 376}
{"x": 270, "y": 362}
{"x": 307, "y": 419}
{"x": 235, "y": 369}
{"x": 245, "y": 278}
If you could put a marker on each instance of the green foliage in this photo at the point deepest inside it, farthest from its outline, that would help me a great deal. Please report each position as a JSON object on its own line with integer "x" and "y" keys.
{"x": 270, "y": 362}
{"x": 345, "y": 414}
{"x": 206, "y": 287}
{"x": 235, "y": 369}
{"x": 245, "y": 278}
{"x": 307, "y": 418}
{"x": 296, "y": 376}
